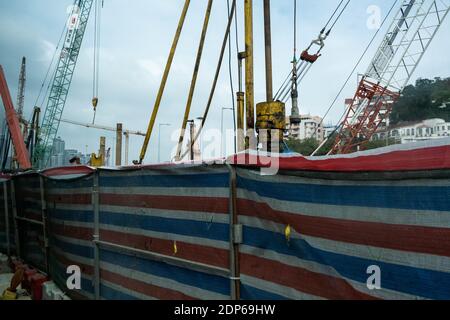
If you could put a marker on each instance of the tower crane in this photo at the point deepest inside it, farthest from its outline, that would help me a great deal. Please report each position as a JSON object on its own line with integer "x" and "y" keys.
{"x": 406, "y": 41}
{"x": 126, "y": 133}
{"x": 62, "y": 79}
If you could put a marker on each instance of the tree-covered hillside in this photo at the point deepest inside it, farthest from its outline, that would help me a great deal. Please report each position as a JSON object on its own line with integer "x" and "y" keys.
{"x": 424, "y": 100}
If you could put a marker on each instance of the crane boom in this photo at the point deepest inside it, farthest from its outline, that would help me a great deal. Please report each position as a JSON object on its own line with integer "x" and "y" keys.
{"x": 13, "y": 124}
{"x": 62, "y": 80}
{"x": 406, "y": 41}
{"x": 21, "y": 91}
{"x": 106, "y": 128}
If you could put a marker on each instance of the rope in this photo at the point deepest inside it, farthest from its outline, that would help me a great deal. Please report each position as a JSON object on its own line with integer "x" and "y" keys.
{"x": 216, "y": 76}
{"x": 300, "y": 75}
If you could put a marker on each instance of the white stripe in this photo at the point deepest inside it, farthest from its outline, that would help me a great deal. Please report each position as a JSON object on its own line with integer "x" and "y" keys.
{"x": 287, "y": 292}
{"x": 127, "y": 291}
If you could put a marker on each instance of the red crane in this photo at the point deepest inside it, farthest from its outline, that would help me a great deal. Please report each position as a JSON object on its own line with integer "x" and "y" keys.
{"x": 23, "y": 158}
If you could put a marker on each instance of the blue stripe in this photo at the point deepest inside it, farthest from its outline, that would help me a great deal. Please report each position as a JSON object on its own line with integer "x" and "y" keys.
{"x": 112, "y": 294}
{"x": 71, "y": 215}
{"x": 184, "y": 276}
{"x": 419, "y": 282}
{"x": 71, "y": 248}
{"x": 401, "y": 197}
{"x": 59, "y": 276}
{"x": 251, "y": 293}
{"x": 206, "y": 229}
{"x": 216, "y": 180}
{"x": 85, "y": 182}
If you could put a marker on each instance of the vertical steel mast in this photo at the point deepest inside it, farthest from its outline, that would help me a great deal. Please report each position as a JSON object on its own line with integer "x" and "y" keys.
{"x": 406, "y": 41}
{"x": 62, "y": 79}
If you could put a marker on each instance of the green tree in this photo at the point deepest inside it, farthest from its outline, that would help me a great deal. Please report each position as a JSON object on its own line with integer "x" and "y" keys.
{"x": 424, "y": 100}
{"x": 304, "y": 147}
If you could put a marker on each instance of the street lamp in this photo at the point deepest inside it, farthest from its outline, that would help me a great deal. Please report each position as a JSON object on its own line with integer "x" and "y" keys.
{"x": 159, "y": 139}
{"x": 221, "y": 130}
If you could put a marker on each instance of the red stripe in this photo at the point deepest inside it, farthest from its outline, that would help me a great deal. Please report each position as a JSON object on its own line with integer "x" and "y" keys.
{"x": 64, "y": 171}
{"x": 399, "y": 237}
{"x": 143, "y": 287}
{"x": 131, "y": 284}
{"x": 85, "y": 269}
{"x": 418, "y": 159}
{"x": 201, "y": 204}
{"x": 191, "y": 252}
{"x": 72, "y": 232}
{"x": 303, "y": 280}
{"x": 187, "y": 251}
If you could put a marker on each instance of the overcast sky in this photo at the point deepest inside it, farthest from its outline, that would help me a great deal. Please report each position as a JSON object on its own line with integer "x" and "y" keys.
{"x": 136, "y": 37}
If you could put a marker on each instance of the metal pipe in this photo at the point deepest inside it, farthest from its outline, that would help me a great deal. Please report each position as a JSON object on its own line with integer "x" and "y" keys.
{"x": 5, "y": 198}
{"x": 240, "y": 121}
{"x": 102, "y": 150}
{"x": 44, "y": 222}
{"x": 249, "y": 77}
{"x": 234, "y": 245}
{"x": 96, "y": 236}
{"x": 196, "y": 266}
{"x": 16, "y": 218}
{"x": 163, "y": 82}
{"x": 268, "y": 51}
{"x": 127, "y": 146}
{"x": 216, "y": 76}
{"x": 194, "y": 79}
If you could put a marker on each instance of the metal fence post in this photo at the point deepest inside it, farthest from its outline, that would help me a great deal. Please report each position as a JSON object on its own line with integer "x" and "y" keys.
{"x": 14, "y": 209}
{"x": 44, "y": 221}
{"x": 235, "y": 238}
{"x": 96, "y": 235}
{"x": 5, "y": 197}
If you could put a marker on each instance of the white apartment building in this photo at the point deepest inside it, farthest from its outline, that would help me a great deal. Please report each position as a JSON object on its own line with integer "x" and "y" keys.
{"x": 309, "y": 127}
{"x": 417, "y": 131}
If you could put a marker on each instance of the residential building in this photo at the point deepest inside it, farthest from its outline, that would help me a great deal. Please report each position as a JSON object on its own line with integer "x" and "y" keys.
{"x": 416, "y": 131}
{"x": 309, "y": 127}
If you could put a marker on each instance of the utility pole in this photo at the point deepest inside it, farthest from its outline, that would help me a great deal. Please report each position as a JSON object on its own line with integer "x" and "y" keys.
{"x": 119, "y": 144}
{"x": 268, "y": 51}
{"x": 191, "y": 139}
{"x": 249, "y": 76}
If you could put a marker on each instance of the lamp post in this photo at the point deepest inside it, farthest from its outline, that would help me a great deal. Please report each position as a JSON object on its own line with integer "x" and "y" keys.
{"x": 159, "y": 139}
{"x": 221, "y": 130}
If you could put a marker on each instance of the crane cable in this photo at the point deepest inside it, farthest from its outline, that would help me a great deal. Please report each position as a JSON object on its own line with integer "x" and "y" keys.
{"x": 341, "y": 119}
{"x": 216, "y": 76}
{"x": 230, "y": 71}
{"x": 50, "y": 68}
{"x": 96, "y": 70}
{"x": 303, "y": 67}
